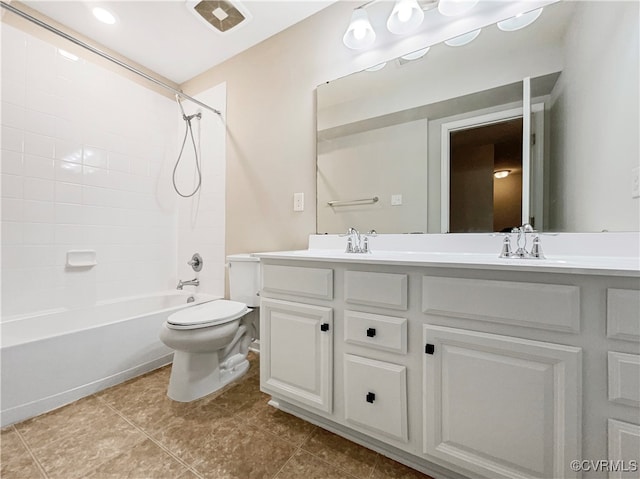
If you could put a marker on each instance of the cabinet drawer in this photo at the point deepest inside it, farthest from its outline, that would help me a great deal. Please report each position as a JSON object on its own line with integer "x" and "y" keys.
{"x": 553, "y": 307}
{"x": 309, "y": 282}
{"x": 624, "y": 378}
{"x": 622, "y": 314}
{"x": 385, "y": 290}
{"x": 376, "y": 331}
{"x": 375, "y": 396}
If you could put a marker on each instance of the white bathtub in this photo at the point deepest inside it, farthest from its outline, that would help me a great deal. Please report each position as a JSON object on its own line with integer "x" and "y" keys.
{"x": 53, "y": 359}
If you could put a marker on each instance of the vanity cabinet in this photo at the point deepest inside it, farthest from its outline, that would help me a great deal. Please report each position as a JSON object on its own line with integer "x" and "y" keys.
{"x": 455, "y": 371}
{"x": 296, "y": 346}
{"x": 500, "y": 406}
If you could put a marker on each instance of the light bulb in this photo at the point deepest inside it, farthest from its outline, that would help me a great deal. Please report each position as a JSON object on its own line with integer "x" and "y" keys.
{"x": 104, "y": 16}
{"x": 406, "y": 16}
{"x": 404, "y": 13}
{"x": 359, "y": 33}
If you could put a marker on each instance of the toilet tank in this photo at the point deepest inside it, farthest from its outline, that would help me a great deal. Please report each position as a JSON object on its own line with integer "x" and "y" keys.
{"x": 244, "y": 279}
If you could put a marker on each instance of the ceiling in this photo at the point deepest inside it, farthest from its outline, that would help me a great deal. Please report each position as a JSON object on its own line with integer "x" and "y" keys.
{"x": 166, "y": 37}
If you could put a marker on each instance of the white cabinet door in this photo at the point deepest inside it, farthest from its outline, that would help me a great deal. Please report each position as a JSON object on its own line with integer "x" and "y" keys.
{"x": 500, "y": 406}
{"x": 296, "y": 360}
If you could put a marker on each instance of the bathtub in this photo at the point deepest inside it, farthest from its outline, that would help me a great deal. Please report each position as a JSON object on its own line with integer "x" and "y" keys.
{"x": 49, "y": 360}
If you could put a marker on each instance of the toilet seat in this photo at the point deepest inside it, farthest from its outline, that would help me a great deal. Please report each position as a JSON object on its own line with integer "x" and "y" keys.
{"x": 203, "y": 315}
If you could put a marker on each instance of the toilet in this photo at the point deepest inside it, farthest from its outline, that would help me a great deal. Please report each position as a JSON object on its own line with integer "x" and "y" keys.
{"x": 211, "y": 340}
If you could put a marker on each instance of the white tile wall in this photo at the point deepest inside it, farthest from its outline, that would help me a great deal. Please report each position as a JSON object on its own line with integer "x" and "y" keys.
{"x": 86, "y": 161}
{"x": 201, "y": 218}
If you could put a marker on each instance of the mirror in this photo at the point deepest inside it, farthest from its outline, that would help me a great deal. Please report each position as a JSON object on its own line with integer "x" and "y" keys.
{"x": 383, "y": 139}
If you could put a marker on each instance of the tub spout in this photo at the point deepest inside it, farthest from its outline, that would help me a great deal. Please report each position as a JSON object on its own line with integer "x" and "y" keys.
{"x": 193, "y": 282}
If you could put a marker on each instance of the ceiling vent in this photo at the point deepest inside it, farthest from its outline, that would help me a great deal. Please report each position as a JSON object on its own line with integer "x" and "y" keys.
{"x": 223, "y": 16}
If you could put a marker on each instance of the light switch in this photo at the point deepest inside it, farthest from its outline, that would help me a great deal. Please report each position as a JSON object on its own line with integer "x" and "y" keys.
{"x": 396, "y": 200}
{"x": 635, "y": 183}
{"x": 298, "y": 202}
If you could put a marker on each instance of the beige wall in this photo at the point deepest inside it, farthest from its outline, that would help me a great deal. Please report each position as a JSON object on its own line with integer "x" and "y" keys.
{"x": 271, "y": 141}
{"x": 595, "y": 114}
{"x": 381, "y": 162}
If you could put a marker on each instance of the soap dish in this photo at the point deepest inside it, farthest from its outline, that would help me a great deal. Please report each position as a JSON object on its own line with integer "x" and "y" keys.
{"x": 81, "y": 258}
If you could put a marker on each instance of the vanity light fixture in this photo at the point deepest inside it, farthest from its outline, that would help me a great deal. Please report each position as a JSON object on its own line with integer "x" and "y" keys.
{"x": 415, "y": 55}
{"x": 451, "y": 8}
{"x": 359, "y": 33}
{"x": 501, "y": 173}
{"x": 519, "y": 21}
{"x": 405, "y": 17}
{"x": 105, "y": 16}
{"x": 377, "y": 67}
{"x": 463, "y": 39}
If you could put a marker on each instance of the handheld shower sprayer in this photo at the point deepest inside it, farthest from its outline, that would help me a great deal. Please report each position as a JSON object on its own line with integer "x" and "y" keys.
{"x": 188, "y": 130}
{"x": 184, "y": 115}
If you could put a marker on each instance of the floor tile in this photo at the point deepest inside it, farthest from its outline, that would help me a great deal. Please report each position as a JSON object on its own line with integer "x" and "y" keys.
{"x": 245, "y": 453}
{"x": 133, "y": 430}
{"x": 280, "y": 424}
{"x": 74, "y": 455}
{"x": 63, "y": 422}
{"x": 192, "y": 436}
{"x": 386, "y": 468}
{"x": 189, "y": 475}
{"x": 304, "y": 465}
{"x": 15, "y": 460}
{"x": 144, "y": 460}
{"x": 342, "y": 453}
{"x": 240, "y": 396}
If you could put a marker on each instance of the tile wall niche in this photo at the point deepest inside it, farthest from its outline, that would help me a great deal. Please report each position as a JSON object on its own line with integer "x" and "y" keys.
{"x": 87, "y": 156}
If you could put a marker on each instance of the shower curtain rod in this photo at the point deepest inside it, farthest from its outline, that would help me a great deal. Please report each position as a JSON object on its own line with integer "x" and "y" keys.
{"x": 104, "y": 55}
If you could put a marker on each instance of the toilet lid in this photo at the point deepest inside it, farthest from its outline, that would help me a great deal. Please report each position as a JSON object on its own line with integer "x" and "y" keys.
{"x": 207, "y": 314}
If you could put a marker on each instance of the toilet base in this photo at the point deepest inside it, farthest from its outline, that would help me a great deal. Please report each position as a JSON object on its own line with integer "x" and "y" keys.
{"x": 195, "y": 375}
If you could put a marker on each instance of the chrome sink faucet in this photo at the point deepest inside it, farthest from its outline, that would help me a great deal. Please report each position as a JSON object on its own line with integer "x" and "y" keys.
{"x": 357, "y": 242}
{"x": 193, "y": 282}
{"x": 521, "y": 244}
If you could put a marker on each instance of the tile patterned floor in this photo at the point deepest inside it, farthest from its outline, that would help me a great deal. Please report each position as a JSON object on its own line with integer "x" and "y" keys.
{"x": 134, "y": 431}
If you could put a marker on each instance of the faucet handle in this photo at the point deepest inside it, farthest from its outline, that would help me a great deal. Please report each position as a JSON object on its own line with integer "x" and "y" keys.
{"x": 506, "y": 248}
{"x": 536, "y": 248}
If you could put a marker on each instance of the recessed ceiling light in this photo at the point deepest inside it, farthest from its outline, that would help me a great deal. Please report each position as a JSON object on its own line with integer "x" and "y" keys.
{"x": 67, "y": 55}
{"x": 501, "y": 173}
{"x": 104, "y": 16}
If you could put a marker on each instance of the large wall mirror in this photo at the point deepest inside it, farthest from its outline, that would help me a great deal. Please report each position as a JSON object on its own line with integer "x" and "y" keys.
{"x": 537, "y": 125}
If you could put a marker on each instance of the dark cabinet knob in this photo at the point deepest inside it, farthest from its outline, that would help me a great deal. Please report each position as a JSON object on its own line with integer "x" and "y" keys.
{"x": 324, "y": 327}
{"x": 371, "y": 397}
{"x": 371, "y": 332}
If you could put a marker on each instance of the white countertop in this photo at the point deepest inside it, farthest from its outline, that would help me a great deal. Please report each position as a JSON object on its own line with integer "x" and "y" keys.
{"x": 587, "y": 262}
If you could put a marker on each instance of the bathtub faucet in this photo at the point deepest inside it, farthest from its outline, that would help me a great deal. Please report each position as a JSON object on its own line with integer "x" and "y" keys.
{"x": 193, "y": 282}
